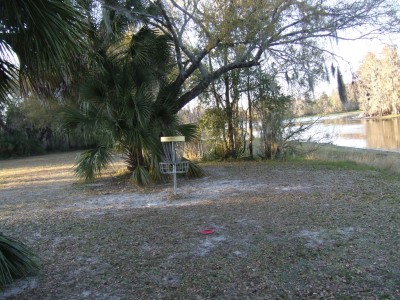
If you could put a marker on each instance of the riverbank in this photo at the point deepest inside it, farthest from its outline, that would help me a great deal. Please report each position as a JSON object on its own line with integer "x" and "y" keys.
{"x": 387, "y": 161}
{"x": 357, "y": 114}
{"x": 388, "y": 117}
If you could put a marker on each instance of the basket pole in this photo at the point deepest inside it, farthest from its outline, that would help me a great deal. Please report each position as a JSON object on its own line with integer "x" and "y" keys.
{"x": 174, "y": 170}
{"x": 172, "y": 158}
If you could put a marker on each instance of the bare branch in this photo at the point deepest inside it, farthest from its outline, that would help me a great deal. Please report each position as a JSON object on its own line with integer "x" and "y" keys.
{"x": 176, "y": 40}
{"x": 192, "y": 17}
{"x": 203, "y": 84}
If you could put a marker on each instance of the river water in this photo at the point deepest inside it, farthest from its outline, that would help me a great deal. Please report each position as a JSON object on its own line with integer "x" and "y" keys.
{"x": 351, "y": 131}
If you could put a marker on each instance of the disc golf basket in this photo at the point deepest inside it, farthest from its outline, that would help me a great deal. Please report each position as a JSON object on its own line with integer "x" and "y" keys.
{"x": 173, "y": 147}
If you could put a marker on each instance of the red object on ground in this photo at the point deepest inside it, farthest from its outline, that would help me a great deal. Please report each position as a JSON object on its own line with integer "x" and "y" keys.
{"x": 207, "y": 231}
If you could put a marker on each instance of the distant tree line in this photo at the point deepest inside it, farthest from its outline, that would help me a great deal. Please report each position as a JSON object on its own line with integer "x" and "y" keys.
{"x": 377, "y": 83}
{"x": 375, "y": 88}
{"x": 33, "y": 126}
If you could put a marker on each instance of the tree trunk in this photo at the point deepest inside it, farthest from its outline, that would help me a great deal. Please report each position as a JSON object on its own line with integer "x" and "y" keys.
{"x": 134, "y": 158}
{"x": 229, "y": 117}
{"x": 235, "y": 112}
{"x": 250, "y": 118}
{"x": 219, "y": 104}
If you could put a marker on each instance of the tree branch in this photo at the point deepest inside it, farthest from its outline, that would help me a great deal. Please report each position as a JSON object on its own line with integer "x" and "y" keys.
{"x": 175, "y": 38}
{"x": 191, "y": 16}
{"x": 203, "y": 84}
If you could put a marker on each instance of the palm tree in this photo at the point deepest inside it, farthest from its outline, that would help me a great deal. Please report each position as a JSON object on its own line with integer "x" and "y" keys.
{"x": 127, "y": 103}
{"x": 38, "y": 39}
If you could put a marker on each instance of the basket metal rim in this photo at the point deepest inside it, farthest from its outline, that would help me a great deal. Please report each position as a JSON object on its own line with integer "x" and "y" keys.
{"x": 168, "y": 167}
{"x": 178, "y": 138}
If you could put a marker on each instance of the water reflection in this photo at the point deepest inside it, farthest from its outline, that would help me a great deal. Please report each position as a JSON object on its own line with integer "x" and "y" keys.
{"x": 350, "y": 131}
{"x": 383, "y": 134}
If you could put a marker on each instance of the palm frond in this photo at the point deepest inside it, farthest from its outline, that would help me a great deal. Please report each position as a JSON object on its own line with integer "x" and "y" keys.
{"x": 150, "y": 140}
{"x": 45, "y": 36}
{"x": 89, "y": 124}
{"x": 43, "y": 33}
{"x": 154, "y": 170}
{"x": 146, "y": 57}
{"x": 141, "y": 176}
{"x": 8, "y": 74}
{"x": 162, "y": 54}
{"x": 195, "y": 171}
{"x": 143, "y": 105}
{"x": 93, "y": 90}
{"x": 190, "y": 131}
{"x": 92, "y": 162}
{"x": 165, "y": 117}
{"x": 72, "y": 118}
{"x": 16, "y": 260}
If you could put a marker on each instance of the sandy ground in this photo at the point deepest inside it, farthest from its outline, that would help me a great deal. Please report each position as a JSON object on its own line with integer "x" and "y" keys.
{"x": 35, "y": 192}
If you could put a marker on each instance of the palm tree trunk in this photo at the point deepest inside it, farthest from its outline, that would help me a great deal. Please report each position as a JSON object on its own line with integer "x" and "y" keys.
{"x": 134, "y": 158}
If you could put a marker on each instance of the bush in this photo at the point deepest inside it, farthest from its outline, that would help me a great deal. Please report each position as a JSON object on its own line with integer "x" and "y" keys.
{"x": 18, "y": 144}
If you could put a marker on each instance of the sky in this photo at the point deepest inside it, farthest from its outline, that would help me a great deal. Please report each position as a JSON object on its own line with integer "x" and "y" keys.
{"x": 352, "y": 54}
